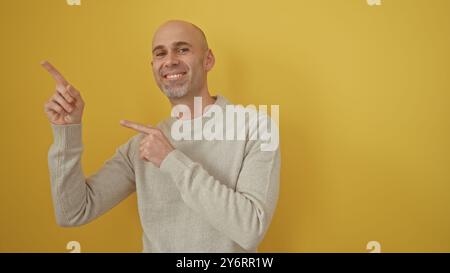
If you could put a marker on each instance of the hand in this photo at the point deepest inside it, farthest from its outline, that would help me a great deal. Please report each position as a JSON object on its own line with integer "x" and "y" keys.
{"x": 66, "y": 105}
{"x": 154, "y": 146}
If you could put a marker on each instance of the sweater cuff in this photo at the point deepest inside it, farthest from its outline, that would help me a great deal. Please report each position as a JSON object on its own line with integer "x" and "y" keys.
{"x": 68, "y": 136}
{"x": 175, "y": 164}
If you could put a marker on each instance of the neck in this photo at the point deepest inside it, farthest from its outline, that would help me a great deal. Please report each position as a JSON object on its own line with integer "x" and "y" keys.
{"x": 188, "y": 100}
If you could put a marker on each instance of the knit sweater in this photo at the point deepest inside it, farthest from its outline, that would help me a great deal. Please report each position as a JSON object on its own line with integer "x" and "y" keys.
{"x": 207, "y": 195}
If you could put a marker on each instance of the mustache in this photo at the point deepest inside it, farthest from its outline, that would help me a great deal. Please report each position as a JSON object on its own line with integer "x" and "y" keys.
{"x": 174, "y": 70}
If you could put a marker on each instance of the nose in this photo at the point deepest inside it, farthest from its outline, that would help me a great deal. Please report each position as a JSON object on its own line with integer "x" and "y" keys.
{"x": 171, "y": 60}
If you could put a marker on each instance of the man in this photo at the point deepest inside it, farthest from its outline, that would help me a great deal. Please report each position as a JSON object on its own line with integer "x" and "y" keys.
{"x": 193, "y": 196}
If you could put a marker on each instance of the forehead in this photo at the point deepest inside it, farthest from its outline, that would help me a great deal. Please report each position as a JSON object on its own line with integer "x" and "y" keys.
{"x": 170, "y": 34}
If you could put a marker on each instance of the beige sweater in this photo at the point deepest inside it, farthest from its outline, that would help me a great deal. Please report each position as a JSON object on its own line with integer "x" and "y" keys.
{"x": 207, "y": 196}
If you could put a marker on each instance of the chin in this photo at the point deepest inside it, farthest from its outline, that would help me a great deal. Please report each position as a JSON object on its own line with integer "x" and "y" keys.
{"x": 175, "y": 93}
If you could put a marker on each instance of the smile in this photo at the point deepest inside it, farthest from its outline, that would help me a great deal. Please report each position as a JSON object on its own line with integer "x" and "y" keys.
{"x": 174, "y": 76}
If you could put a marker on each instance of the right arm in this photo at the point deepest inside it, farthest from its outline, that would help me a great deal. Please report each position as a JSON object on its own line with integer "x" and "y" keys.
{"x": 77, "y": 199}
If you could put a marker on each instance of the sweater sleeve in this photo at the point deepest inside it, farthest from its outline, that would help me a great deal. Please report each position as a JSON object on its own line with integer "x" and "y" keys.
{"x": 243, "y": 213}
{"x": 78, "y": 200}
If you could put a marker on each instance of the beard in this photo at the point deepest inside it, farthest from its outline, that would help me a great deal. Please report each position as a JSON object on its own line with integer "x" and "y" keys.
{"x": 175, "y": 91}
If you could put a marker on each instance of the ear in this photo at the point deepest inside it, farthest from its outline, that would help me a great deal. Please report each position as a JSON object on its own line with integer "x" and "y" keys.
{"x": 209, "y": 60}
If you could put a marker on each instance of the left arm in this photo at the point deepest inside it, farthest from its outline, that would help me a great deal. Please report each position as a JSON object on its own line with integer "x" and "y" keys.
{"x": 244, "y": 213}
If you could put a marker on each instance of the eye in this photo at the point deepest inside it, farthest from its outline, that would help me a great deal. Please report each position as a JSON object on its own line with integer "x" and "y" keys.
{"x": 160, "y": 54}
{"x": 183, "y": 50}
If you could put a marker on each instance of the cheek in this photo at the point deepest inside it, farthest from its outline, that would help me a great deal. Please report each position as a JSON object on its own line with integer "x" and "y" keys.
{"x": 192, "y": 63}
{"x": 155, "y": 69}
{"x": 196, "y": 68}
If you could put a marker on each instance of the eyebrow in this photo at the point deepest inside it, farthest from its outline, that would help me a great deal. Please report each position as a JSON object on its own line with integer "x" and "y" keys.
{"x": 175, "y": 44}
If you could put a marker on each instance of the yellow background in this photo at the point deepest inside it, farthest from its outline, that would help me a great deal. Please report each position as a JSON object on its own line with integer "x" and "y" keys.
{"x": 364, "y": 112}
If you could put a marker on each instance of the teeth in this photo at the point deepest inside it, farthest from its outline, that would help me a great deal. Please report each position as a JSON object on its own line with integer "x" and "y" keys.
{"x": 174, "y": 76}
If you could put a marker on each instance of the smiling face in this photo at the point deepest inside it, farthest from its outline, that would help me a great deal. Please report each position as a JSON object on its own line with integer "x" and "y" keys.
{"x": 181, "y": 59}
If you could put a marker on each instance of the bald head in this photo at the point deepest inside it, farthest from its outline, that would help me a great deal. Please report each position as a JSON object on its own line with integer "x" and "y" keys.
{"x": 181, "y": 59}
{"x": 180, "y": 30}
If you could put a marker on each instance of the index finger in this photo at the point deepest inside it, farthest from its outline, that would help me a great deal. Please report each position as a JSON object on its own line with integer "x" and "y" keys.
{"x": 54, "y": 73}
{"x": 136, "y": 126}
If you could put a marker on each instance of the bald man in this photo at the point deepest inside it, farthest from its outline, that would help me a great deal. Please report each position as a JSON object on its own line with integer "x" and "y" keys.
{"x": 193, "y": 195}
